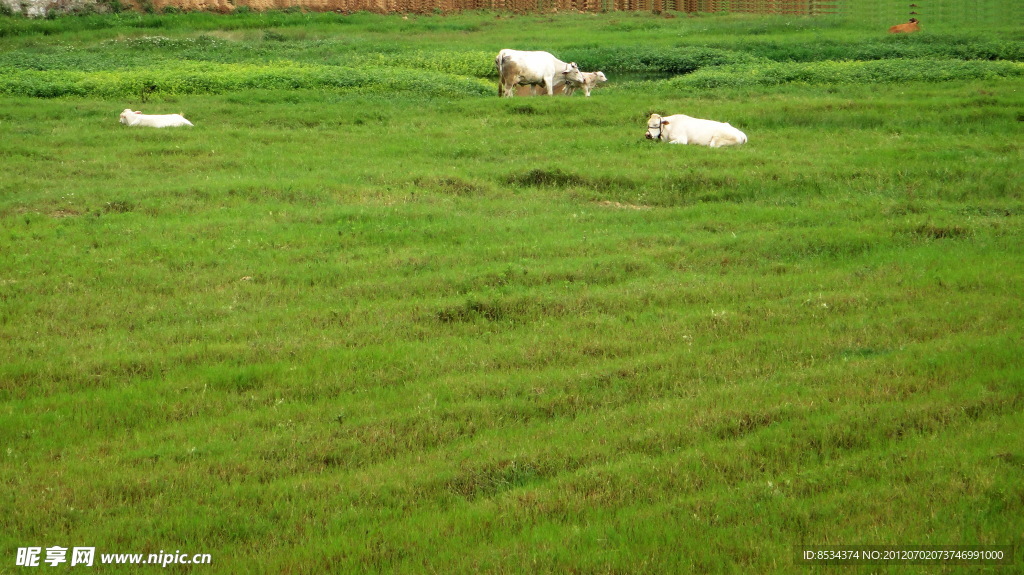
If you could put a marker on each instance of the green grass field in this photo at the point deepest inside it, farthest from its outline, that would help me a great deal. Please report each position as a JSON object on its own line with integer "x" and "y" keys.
{"x": 366, "y": 316}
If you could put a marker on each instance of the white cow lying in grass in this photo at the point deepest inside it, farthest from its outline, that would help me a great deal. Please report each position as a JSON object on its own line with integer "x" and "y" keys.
{"x": 130, "y": 118}
{"x": 590, "y": 80}
{"x": 680, "y": 129}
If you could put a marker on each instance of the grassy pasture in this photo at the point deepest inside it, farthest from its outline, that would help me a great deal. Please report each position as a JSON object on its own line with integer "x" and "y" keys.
{"x": 368, "y": 317}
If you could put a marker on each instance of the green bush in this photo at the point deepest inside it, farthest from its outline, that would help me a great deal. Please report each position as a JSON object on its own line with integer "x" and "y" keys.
{"x": 445, "y": 74}
{"x": 637, "y": 59}
{"x": 206, "y": 78}
{"x": 475, "y": 63}
{"x": 924, "y": 46}
{"x": 769, "y": 73}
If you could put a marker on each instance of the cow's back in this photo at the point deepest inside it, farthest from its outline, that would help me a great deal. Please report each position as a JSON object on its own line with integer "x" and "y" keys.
{"x": 159, "y": 120}
{"x": 532, "y": 64}
{"x": 684, "y": 129}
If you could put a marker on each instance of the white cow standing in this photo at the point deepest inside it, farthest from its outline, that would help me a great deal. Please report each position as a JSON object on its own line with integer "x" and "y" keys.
{"x": 534, "y": 69}
{"x": 681, "y": 129}
{"x": 136, "y": 118}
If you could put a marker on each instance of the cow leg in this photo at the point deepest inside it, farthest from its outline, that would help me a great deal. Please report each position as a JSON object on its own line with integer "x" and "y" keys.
{"x": 720, "y": 140}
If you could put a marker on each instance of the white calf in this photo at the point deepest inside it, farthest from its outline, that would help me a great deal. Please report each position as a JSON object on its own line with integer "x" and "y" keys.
{"x": 590, "y": 80}
{"x": 130, "y": 118}
{"x": 680, "y": 129}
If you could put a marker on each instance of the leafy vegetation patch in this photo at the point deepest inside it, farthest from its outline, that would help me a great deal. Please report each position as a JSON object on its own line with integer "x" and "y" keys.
{"x": 209, "y": 78}
{"x": 848, "y": 72}
{"x": 205, "y": 53}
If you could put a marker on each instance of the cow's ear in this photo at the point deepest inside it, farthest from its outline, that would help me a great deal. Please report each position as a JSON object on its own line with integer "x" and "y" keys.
{"x": 664, "y": 122}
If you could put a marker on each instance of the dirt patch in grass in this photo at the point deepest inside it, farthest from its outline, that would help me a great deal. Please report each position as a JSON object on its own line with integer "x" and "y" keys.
{"x": 621, "y": 206}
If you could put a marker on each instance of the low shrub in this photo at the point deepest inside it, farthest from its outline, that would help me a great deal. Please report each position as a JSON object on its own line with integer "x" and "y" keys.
{"x": 209, "y": 78}
{"x": 472, "y": 63}
{"x": 769, "y": 73}
{"x": 930, "y": 46}
{"x": 637, "y": 59}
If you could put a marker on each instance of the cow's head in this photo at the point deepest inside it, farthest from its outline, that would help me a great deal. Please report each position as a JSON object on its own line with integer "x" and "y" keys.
{"x": 655, "y": 125}
{"x": 572, "y": 73}
{"x": 124, "y": 115}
